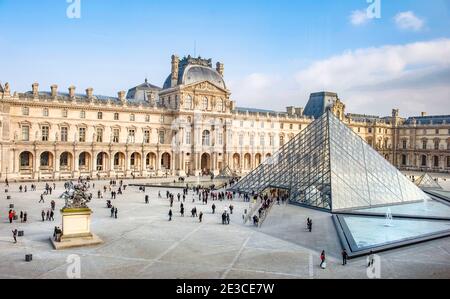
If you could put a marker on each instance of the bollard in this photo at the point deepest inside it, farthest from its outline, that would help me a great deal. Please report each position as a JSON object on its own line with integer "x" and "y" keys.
{"x": 28, "y": 257}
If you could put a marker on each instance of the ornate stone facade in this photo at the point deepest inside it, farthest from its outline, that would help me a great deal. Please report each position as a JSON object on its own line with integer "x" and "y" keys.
{"x": 190, "y": 126}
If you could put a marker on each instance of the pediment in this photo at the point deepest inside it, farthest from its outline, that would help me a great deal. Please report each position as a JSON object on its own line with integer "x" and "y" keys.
{"x": 205, "y": 86}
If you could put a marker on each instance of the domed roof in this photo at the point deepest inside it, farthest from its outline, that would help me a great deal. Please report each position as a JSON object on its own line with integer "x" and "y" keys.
{"x": 194, "y": 73}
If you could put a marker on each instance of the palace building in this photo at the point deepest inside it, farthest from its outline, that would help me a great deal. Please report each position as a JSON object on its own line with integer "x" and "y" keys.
{"x": 189, "y": 126}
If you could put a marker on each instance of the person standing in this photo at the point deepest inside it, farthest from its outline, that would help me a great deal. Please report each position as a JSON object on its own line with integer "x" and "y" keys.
{"x": 170, "y": 215}
{"x": 231, "y": 209}
{"x": 52, "y": 214}
{"x": 21, "y": 216}
{"x": 112, "y": 211}
{"x": 115, "y": 213}
{"x": 15, "y": 235}
{"x": 25, "y": 217}
{"x": 11, "y": 216}
{"x": 200, "y": 217}
{"x": 323, "y": 260}
{"x": 43, "y": 215}
{"x": 344, "y": 257}
{"x": 213, "y": 208}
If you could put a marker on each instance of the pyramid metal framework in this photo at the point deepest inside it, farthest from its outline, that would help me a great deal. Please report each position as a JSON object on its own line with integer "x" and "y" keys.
{"x": 427, "y": 182}
{"x": 328, "y": 166}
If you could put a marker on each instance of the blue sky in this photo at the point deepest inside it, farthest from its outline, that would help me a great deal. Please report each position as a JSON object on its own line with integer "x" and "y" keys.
{"x": 275, "y": 51}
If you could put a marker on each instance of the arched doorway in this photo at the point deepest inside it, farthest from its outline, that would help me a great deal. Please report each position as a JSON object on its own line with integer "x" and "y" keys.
{"x": 258, "y": 160}
{"x": 84, "y": 161}
{"x": 206, "y": 163}
{"x": 150, "y": 161}
{"x": 46, "y": 161}
{"x": 247, "y": 161}
{"x": 236, "y": 162}
{"x": 102, "y": 161}
{"x": 165, "y": 161}
{"x": 26, "y": 162}
{"x": 119, "y": 161}
{"x": 135, "y": 162}
{"x": 66, "y": 162}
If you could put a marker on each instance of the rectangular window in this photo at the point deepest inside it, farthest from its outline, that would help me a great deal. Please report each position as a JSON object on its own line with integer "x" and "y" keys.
{"x": 147, "y": 136}
{"x": 271, "y": 141}
{"x": 252, "y": 140}
{"x": 436, "y": 145}
{"x": 370, "y": 130}
{"x": 262, "y": 140}
{"x": 291, "y": 126}
{"x": 45, "y": 112}
{"x": 99, "y": 115}
{"x": 116, "y": 133}
{"x": 161, "y": 137}
{"x": 188, "y": 137}
{"x": 25, "y": 133}
{"x": 241, "y": 124}
{"x": 45, "y": 133}
{"x": 282, "y": 126}
{"x": 241, "y": 140}
{"x": 99, "y": 135}
{"x": 64, "y": 113}
{"x": 437, "y": 131}
{"x": 82, "y": 137}
{"x": 161, "y": 119}
{"x": 424, "y": 145}
{"x": 132, "y": 117}
{"x": 82, "y": 114}
{"x": 404, "y": 144}
{"x": 272, "y": 125}
{"x": 220, "y": 138}
{"x": 262, "y": 125}
{"x": 64, "y": 134}
{"x": 131, "y": 136}
{"x": 116, "y": 116}
{"x": 147, "y": 118}
{"x": 25, "y": 111}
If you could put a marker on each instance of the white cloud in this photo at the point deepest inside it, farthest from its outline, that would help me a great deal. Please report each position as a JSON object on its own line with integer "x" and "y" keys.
{"x": 409, "y": 21}
{"x": 412, "y": 77}
{"x": 374, "y": 80}
{"x": 359, "y": 17}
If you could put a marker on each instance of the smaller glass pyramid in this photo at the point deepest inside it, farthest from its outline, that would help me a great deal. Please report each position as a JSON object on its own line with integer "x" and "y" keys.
{"x": 427, "y": 182}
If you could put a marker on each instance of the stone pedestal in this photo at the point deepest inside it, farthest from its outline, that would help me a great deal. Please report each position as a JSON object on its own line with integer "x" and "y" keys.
{"x": 76, "y": 229}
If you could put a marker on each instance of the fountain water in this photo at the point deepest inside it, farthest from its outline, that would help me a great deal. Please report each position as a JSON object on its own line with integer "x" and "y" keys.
{"x": 389, "y": 218}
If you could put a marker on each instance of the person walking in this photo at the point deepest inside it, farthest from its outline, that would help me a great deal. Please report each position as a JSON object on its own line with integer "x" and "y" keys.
{"x": 213, "y": 208}
{"x": 21, "y": 216}
{"x": 231, "y": 209}
{"x": 42, "y": 199}
{"x": 200, "y": 217}
{"x": 115, "y": 213}
{"x": 11, "y": 216}
{"x": 228, "y": 218}
{"x": 15, "y": 235}
{"x": 112, "y": 211}
{"x": 344, "y": 257}
{"x": 170, "y": 215}
{"x": 43, "y": 215}
{"x": 323, "y": 263}
{"x": 52, "y": 214}
{"x": 25, "y": 217}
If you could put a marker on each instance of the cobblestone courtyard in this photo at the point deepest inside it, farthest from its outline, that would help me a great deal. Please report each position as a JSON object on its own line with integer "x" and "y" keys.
{"x": 142, "y": 243}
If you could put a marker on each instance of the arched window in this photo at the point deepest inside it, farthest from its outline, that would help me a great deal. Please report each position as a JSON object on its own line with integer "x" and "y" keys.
{"x": 424, "y": 160}
{"x": 205, "y": 103}
{"x": 206, "y": 138}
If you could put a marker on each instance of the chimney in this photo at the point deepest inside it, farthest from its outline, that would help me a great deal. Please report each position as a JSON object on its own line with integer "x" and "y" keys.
{"x": 35, "y": 88}
{"x": 89, "y": 93}
{"x": 175, "y": 70}
{"x": 220, "y": 68}
{"x": 72, "y": 91}
{"x": 424, "y": 114}
{"x": 121, "y": 95}
{"x": 290, "y": 110}
{"x": 299, "y": 111}
{"x": 54, "y": 89}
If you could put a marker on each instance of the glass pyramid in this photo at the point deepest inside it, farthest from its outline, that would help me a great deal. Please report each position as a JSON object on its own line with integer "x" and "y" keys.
{"x": 427, "y": 182}
{"x": 328, "y": 166}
